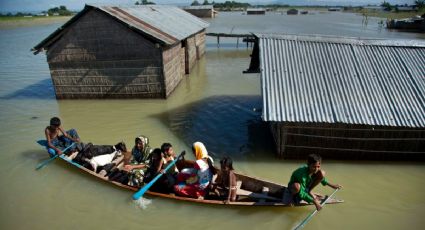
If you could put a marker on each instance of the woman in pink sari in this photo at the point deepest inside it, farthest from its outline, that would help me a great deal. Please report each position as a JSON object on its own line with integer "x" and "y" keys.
{"x": 193, "y": 182}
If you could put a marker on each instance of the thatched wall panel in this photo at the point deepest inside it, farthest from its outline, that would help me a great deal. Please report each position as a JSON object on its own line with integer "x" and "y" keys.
{"x": 100, "y": 80}
{"x": 182, "y": 61}
{"x": 98, "y": 64}
{"x": 115, "y": 72}
{"x": 343, "y": 141}
{"x": 191, "y": 52}
{"x": 100, "y": 58}
{"x": 113, "y": 89}
{"x": 200, "y": 43}
{"x": 172, "y": 68}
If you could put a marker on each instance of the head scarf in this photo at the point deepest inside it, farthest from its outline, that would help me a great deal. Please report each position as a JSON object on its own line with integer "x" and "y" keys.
{"x": 200, "y": 150}
{"x": 141, "y": 155}
{"x": 144, "y": 140}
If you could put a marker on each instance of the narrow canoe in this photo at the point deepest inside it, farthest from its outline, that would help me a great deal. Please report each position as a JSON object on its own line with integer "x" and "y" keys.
{"x": 251, "y": 191}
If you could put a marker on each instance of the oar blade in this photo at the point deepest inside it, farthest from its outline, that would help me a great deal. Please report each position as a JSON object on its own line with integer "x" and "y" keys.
{"x": 309, "y": 217}
{"x": 44, "y": 163}
{"x": 145, "y": 188}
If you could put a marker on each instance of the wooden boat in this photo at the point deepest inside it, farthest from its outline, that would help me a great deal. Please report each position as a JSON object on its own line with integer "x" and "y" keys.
{"x": 251, "y": 191}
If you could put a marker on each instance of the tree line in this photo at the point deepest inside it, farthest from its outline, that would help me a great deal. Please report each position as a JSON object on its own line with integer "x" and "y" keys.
{"x": 60, "y": 11}
{"x": 419, "y": 4}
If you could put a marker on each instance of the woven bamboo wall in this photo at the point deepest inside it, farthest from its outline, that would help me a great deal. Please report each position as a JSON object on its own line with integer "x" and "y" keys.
{"x": 195, "y": 46}
{"x": 191, "y": 54}
{"x": 101, "y": 58}
{"x": 343, "y": 141}
{"x": 200, "y": 44}
{"x": 173, "y": 69}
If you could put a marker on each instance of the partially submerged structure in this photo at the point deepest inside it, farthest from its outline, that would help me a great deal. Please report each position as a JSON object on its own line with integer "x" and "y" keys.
{"x": 254, "y": 11}
{"x": 202, "y": 11}
{"x": 416, "y": 24}
{"x": 123, "y": 52}
{"x": 292, "y": 12}
{"x": 343, "y": 98}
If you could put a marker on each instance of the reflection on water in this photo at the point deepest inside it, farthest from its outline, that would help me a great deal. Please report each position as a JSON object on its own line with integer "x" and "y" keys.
{"x": 216, "y": 104}
{"x": 228, "y": 125}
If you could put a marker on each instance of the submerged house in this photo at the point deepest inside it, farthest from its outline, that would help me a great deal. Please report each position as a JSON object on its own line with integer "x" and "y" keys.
{"x": 292, "y": 12}
{"x": 343, "y": 98}
{"x": 202, "y": 11}
{"x": 254, "y": 11}
{"x": 123, "y": 52}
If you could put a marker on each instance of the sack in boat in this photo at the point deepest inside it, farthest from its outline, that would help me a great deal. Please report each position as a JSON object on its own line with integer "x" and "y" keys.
{"x": 136, "y": 177}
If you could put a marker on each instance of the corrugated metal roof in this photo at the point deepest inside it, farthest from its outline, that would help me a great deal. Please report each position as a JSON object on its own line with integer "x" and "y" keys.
{"x": 342, "y": 80}
{"x": 167, "y": 24}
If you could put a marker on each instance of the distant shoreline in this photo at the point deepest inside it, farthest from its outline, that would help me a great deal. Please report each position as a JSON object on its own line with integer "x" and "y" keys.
{"x": 16, "y": 22}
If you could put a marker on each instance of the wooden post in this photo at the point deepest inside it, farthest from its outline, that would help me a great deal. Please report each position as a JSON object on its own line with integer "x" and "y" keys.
{"x": 218, "y": 40}
{"x": 247, "y": 41}
{"x": 237, "y": 42}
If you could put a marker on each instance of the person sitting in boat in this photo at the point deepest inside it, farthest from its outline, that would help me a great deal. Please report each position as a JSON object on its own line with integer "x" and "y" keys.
{"x": 155, "y": 167}
{"x": 57, "y": 138}
{"x": 141, "y": 151}
{"x": 306, "y": 178}
{"x": 225, "y": 184}
{"x": 168, "y": 156}
{"x": 137, "y": 163}
{"x": 194, "y": 182}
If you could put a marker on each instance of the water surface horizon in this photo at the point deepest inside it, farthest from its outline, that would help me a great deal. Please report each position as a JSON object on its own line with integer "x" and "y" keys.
{"x": 215, "y": 104}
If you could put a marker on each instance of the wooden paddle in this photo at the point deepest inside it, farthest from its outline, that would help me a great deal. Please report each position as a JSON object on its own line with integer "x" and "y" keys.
{"x": 44, "y": 163}
{"x": 302, "y": 224}
{"x": 145, "y": 188}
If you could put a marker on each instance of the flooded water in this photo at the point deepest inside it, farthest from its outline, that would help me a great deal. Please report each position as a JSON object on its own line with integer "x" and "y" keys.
{"x": 217, "y": 105}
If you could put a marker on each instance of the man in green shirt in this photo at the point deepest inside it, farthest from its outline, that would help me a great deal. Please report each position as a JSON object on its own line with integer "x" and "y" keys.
{"x": 306, "y": 178}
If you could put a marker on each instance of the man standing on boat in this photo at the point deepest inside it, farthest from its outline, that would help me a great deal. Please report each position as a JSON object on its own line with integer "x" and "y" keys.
{"x": 306, "y": 178}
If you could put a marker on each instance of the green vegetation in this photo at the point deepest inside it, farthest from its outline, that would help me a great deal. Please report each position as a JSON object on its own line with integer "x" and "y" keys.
{"x": 196, "y": 3}
{"x": 56, "y": 11}
{"x": 420, "y": 4}
{"x": 231, "y": 5}
{"x": 387, "y": 6}
{"x": 61, "y": 11}
{"x": 144, "y": 2}
{"x": 390, "y": 11}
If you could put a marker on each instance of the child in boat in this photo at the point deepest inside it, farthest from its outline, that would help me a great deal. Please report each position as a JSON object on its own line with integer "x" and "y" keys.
{"x": 195, "y": 181}
{"x": 225, "y": 184}
{"x": 155, "y": 168}
{"x": 57, "y": 138}
{"x": 168, "y": 156}
{"x": 306, "y": 178}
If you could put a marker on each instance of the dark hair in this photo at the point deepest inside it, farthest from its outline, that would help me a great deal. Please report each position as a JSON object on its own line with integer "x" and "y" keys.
{"x": 227, "y": 162}
{"x": 55, "y": 121}
{"x": 138, "y": 140}
{"x": 313, "y": 158}
{"x": 156, "y": 152}
{"x": 211, "y": 167}
{"x": 155, "y": 159}
{"x": 165, "y": 147}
